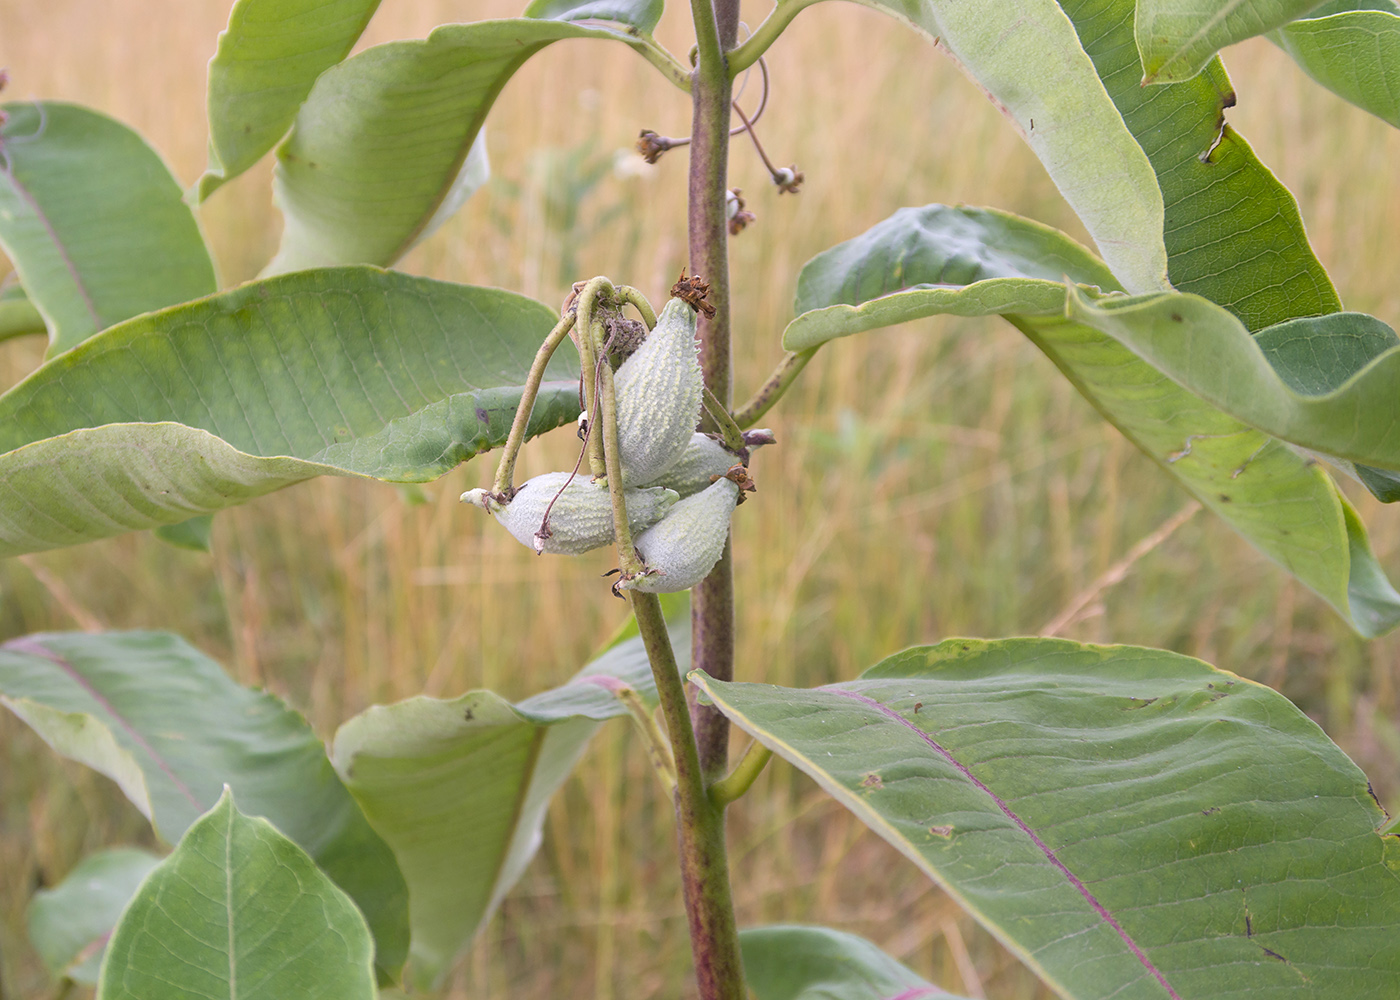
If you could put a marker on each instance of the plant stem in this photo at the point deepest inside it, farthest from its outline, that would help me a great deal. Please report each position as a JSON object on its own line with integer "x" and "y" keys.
{"x": 714, "y": 934}
{"x": 626, "y": 293}
{"x": 719, "y": 414}
{"x": 505, "y": 472}
{"x": 738, "y": 781}
{"x": 653, "y": 52}
{"x": 772, "y": 390}
{"x": 712, "y": 601}
{"x": 612, "y": 453}
{"x": 588, "y": 364}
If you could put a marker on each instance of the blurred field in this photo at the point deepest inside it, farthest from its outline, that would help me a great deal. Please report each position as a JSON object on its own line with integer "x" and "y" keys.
{"x": 935, "y": 480}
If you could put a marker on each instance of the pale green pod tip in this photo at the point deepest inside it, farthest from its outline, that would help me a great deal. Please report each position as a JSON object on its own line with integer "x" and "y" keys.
{"x": 680, "y": 550}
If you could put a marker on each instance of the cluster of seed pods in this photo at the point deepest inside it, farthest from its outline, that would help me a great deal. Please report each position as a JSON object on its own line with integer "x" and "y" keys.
{"x": 680, "y": 487}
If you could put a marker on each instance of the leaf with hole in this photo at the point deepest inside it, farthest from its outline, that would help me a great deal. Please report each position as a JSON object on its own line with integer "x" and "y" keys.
{"x": 166, "y": 723}
{"x": 1130, "y": 822}
{"x": 238, "y": 912}
{"x": 349, "y": 371}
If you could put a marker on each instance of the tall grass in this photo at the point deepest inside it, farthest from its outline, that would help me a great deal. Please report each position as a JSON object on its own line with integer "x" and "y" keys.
{"x": 934, "y": 480}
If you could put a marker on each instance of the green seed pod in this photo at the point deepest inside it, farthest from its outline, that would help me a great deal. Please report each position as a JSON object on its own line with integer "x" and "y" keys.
{"x": 682, "y": 548}
{"x": 702, "y": 461}
{"x": 658, "y": 397}
{"x": 580, "y": 519}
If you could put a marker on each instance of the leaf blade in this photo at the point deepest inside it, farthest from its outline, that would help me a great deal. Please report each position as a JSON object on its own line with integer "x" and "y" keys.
{"x": 1352, "y": 49}
{"x": 74, "y": 177}
{"x": 166, "y": 722}
{"x": 238, "y": 911}
{"x": 1176, "y": 38}
{"x": 1119, "y": 761}
{"x": 794, "y": 962}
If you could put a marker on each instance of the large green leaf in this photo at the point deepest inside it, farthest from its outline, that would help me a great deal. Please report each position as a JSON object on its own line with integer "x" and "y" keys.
{"x": 349, "y": 371}
{"x": 379, "y": 154}
{"x": 459, "y": 788}
{"x": 70, "y": 923}
{"x": 792, "y": 962}
{"x": 167, "y": 724}
{"x": 1352, "y": 48}
{"x": 1131, "y": 822}
{"x": 1331, "y": 406}
{"x": 266, "y": 63}
{"x": 93, "y": 221}
{"x": 1233, "y": 232}
{"x": 1026, "y": 57}
{"x": 961, "y": 261}
{"x": 1176, "y": 38}
{"x": 238, "y": 912}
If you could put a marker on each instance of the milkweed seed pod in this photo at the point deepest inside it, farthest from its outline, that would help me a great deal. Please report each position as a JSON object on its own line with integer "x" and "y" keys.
{"x": 580, "y": 520}
{"x": 704, "y": 458}
{"x": 658, "y": 397}
{"x": 682, "y": 548}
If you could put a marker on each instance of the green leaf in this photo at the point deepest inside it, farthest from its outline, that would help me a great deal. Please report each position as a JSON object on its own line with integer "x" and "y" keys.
{"x": 1026, "y": 56}
{"x": 18, "y": 317}
{"x": 93, "y": 221}
{"x": 267, "y": 60}
{"x": 70, "y": 923}
{"x": 193, "y": 534}
{"x": 1233, "y": 232}
{"x": 1352, "y": 49}
{"x": 791, "y": 962}
{"x": 644, "y": 15}
{"x": 1176, "y": 38}
{"x": 1353, "y": 413}
{"x": 351, "y": 371}
{"x": 1131, "y": 822}
{"x": 167, "y": 724}
{"x": 379, "y": 154}
{"x": 459, "y": 788}
{"x": 238, "y": 912}
{"x": 1281, "y": 502}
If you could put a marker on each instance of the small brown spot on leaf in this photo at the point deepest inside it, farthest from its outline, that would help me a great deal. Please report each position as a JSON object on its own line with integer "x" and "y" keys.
{"x": 1211, "y": 811}
{"x": 942, "y": 830}
{"x": 872, "y": 780}
{"x": 1274, "y": 954}
{"x": 918, "y": 705}
{"x": 1225, "y": 498}
{"x": 1176, "y": 318}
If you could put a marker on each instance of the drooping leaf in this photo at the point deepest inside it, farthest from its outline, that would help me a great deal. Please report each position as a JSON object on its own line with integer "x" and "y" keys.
{"x": 238, "y": 912}
{"x": 350, "y": 371}
{"x": 383, "y": 140}
{"x": 791, "y": 962}
{"x": 267, "y": 60}
{"x": 1233, "y": 232}
{"x": 18, "y": 317}
{"x": 1026, "y": 57}
{"x": 167, "y": 724}
{"x": 1131, "y": 822}
{"x": 93, "y": 221}
{"x": 961, "y": 261}
{"x": 1353, "y": 49}
{"x": 459, "y": 788}
{"x": 644, "y": 15}
{"x": 1176, "y": 38}
{"x": 1352, "y": 414}
{"x": 70, "y": 923}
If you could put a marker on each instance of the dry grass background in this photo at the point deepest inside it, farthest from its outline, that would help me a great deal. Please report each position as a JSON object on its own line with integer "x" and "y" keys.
{"x": 934, "y": 480}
